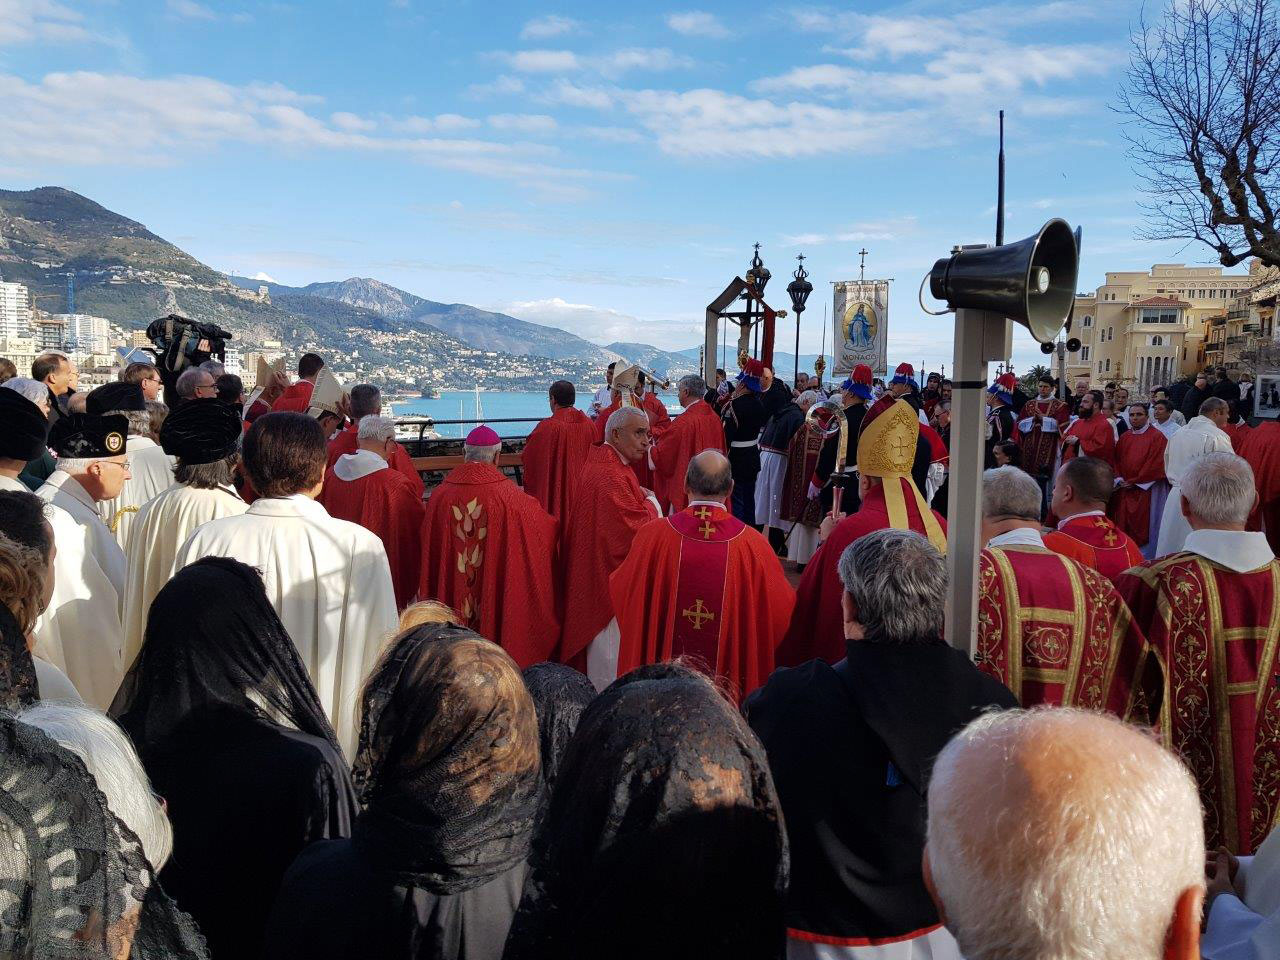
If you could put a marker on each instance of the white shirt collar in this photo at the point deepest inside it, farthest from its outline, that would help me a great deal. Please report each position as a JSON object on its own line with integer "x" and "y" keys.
{"x": 1017, "y": 537}
{"x": 1076, "y": 516}
{"x": 299, "y": 504}
{"x": 353, "y": 466}
{"x": 1237, "y": 550}
{"x": 714, "y": 504}
{"x": 61, "y": 480}
{"x": 1136, "y": 432}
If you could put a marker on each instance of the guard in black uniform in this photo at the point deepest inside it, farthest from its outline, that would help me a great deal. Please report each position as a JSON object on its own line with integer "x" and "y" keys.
{"x": 743, "y": 417}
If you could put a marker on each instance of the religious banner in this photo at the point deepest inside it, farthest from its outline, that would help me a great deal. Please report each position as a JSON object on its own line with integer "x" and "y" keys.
{"x": 861, "y": 326}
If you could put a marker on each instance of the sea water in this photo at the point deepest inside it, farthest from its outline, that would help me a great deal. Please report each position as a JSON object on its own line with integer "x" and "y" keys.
{"x": 461, "y": 405}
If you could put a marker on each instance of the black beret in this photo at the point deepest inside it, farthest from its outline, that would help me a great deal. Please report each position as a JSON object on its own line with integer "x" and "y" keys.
{"x": 85, "y": 436}
{"x": 116, "y": 395}
{"x": 203, "y": 430}
{"x": 25, "y": 427}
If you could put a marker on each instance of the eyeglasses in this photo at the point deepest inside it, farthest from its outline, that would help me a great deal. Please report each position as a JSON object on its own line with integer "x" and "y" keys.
{"x": 125, "y": 464}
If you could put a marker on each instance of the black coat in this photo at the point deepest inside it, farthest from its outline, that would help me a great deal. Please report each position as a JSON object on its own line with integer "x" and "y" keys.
{"x": 1192, "y": 400}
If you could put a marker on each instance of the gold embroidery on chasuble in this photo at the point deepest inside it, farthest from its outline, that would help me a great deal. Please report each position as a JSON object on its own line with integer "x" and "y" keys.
{"x": 1266, "y": 761}
{"x": 470, "y": 529}
{"x": 698, "y": 613}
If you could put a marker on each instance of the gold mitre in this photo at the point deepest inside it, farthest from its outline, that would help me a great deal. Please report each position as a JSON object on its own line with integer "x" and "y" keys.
{"x": 325, "y": 395}
{"x": 887, "y": 444}
{"x": 627, "y": 382}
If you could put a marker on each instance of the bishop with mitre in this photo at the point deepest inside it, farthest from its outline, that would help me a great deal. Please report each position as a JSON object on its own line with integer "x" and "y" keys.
{"x": 488, "y": 551}
{"x": 698, "y": 428}
{"x": 628, "y": 391}
{"x": 362, "y": 487}
{"x": 556, "y": 450}
{"x": 609, "y": 510}
{"x": 890, "y": 498}
{"x": 704, "y": 585}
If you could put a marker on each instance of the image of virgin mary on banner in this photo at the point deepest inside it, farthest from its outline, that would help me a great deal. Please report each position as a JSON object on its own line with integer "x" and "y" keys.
{"x": 861, "y": 320}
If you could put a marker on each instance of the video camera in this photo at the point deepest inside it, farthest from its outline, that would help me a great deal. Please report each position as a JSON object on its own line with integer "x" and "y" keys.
{"x": 181, "y": 343}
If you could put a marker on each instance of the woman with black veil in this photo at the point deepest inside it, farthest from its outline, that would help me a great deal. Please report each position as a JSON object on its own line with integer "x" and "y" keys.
{"x": 560, "y": 695}
{"x": 664, "y": 837}
{"x": 233, "y": 736}
{"x": 448, "y": 777}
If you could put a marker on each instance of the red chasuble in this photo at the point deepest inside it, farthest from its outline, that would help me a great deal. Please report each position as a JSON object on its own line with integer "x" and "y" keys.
{"x": 704, "y": 585}
{"x": 347, "y": 442}
{"x": 802, "y": 464}
{"x": 296, "y": 399}
{"x": 1097, "y": 439}
{"x": 553, "y": 458}
{"x": 608, "y": 510}
{"x": 1055, "y": 632}
{"x": 1262, "y": 450}
{"x": 386, "y": 504}
{"x": 1239, "y": 434}
{"x": 1040, "y": 447}
{"x": 644, "y": 475}
{"x": 1214, "y": 633}
{"x": 817, "y": 626}
{"x": 1139, "y": 459}
{"x": 698, "y": 428}
{"x": 489, "y": 552}
{"x": 1097, "y": 543}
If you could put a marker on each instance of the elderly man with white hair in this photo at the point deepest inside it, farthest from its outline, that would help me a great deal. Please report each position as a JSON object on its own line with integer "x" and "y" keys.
{"x": 850, "y": 746}
{"x": 1064, "y": 835}
{"x": 195, "y": 383}
{"x": 1211, "y": 614}
{"x": 1051, "y": 629}
{"x": 363, "y": 487}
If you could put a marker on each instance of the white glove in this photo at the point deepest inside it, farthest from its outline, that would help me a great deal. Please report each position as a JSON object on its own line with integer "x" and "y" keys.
{"x": 814, "y": 490}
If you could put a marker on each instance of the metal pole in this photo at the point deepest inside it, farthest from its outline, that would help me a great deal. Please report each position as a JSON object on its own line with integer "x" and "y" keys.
{"x": 796, "y": 376}
{"x": 979, "y": 338}
{"x": 1000, "y": 187}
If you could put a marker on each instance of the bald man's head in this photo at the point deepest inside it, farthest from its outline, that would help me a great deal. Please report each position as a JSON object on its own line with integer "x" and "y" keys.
{"x": 709, "y": 477}
{"x": 1064, "y": 834}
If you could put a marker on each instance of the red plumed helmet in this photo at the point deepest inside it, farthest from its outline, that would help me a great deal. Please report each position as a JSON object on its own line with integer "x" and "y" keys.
{"x": 1007, "y": 381}
{"x": 861, "y": 374}
{"x": 753, "y": 368}
{"x": 905, "y": 370}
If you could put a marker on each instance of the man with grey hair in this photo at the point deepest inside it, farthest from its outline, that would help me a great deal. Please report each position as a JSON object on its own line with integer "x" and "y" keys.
{"x": 698, "y": 428}
{"x": 610, "y": 508}
{"x": 366, "y": 401}
{"x": 1210, "y": 613}
{"x": 1202, "y": 435}
{"x": 195, "y": 383}
{"x": 702, "y": 584}
{"x": 361, "y": 487}
{"x": 850, "y": 746}
{"x": 488, "y": 550}
{"x": 1051, "y": 629}
{"x": 1021, "y": 806}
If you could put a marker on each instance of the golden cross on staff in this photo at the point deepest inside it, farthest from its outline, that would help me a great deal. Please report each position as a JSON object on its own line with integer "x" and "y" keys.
{"x": 697, "y": 614}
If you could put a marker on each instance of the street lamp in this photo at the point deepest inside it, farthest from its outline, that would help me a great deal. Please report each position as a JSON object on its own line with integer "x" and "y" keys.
{"x": 799, "y": 290}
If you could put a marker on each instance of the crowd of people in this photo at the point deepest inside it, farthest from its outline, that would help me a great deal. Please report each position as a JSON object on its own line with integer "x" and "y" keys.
{"x": 262, "y": 695}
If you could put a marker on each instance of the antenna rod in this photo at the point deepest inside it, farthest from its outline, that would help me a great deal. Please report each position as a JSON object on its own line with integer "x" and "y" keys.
{"x": 1000, "y": 188}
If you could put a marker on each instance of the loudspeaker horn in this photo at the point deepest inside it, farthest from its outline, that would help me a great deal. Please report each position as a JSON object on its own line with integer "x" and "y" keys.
{"x": 1032, "y": 281}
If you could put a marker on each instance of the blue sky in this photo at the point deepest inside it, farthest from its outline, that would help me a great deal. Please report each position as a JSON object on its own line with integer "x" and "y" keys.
{"x": 600, "y": 167}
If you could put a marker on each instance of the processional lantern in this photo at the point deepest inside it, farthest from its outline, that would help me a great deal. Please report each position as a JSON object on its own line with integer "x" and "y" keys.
{"x": 798, "y": 290}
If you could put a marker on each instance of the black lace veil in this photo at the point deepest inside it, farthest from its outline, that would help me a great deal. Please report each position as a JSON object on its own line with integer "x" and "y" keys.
{"x": 18, "y": 686}
{"x": 560, "y": 695}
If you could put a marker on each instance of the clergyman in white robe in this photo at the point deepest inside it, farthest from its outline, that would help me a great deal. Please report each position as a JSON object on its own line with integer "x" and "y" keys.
{"x": 330, "y": 583}
{"x": 151, "y": 473}
{"x": 81, "y": 632}
{"x": 160, "y": 529}
{"x": 1247, "y": 926}
{"x": 1185, "y": 447}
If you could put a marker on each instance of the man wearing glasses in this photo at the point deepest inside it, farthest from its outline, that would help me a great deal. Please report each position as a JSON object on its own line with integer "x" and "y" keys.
{"x": 146, "y": 376}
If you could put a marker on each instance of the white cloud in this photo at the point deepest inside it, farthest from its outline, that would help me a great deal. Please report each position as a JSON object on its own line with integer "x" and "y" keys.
{"x": 503, "y": 85}
{"x": 544, "y": 61}
{"x": 551, "y": 25}
{"x": 609, "y": 134}
{"x": 189, "y": 10}
{"x": 609, "y": 64}
{"x": 863, "y": 232}
{"x": 47, "y": 21}
{"x": 603, "y": 324}
{"x": 440, "y": 123}
{"x": 351, "y": 122}
{"x": 523, "y": 122}
{"x": 697, "y": 23}
{"x": 574, "y": 95}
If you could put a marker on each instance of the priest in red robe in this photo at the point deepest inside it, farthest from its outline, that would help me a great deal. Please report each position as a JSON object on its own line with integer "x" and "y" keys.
{"x": 1051, "y": 630}
{"x": 1090, "y": 434}
{"x": 1083, "y": 488}
{"x": 698, "y": 428}
{"x": 1262, "y": 451}
{"x": 702, "y": 584}
{"x": 606, "y": 514}
{"x": 886, "y": 453}
{"x": 297, "y": 397}
{"x": 1139, "y": 467}
{"x": 1040, "y": 426}
{"x": 488, "y": 551}
{"x": 361, "y": 488}
{"x": 1211, "y": 613}
{"x": 628, "y": 391}
{"x": 366, "y": 401}
{"x": 556, "y": 450}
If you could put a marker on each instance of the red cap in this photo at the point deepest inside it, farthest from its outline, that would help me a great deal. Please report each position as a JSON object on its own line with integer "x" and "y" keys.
{"x": 1007, "y": 381}
{"x": 483, "y": 437}
{"x": 905, "y": 370}
{"x": 862, "y": 374}
{"x": 753, "y": 368}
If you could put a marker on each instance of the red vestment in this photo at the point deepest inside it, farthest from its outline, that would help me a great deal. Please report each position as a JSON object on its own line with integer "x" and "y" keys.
{"x": 296, "y": 399}
{"x": 1213, "y": 633}
{"x": 1097, "y": 543}
{"x": 1040, "y": 446}
{"x": 384, "y": 503}
{"x": 702, "y": 584}
{"x": 608, "y": 510}
{"x": 1055, "y": 632}
{"x": 659, "y": 420}
{"x": 347, "y": 442}
{"x": 553, "y": 458}
{"x": 1262, "y": 450}
{"x": 698, "y": 428}
{"x": 1097, "y": 439}
{"x": 802, "y": 462}
{"x": 1239, "y": 434}
{"x": 1139, "y": 459}
{"x": 817, "y": 626}
{"x": 489, "y": 552}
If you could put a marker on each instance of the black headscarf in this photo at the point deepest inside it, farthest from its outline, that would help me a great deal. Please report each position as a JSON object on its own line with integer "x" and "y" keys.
{"x": 18, "y": 686}
{"x": 560, "y": 695}
{"x": 447, "y": 770}
{"x": 25, "y": 428}
{"x": 664, "y": 837}
{"x": 74, "y": 874}
{"x": 215, "y": 654}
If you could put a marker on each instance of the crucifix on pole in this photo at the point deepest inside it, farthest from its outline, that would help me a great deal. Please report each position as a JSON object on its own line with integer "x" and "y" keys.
{"x": 862, "y": 265}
